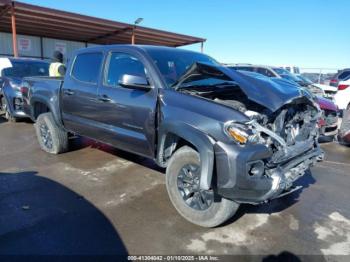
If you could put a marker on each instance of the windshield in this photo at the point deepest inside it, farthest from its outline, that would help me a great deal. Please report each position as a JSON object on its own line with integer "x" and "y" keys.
{"x": 172, "y": 64}
{"x": 26, "y": 68}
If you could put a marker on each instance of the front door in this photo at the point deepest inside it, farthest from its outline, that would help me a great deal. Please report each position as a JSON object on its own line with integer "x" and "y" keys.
{"x": 127, "y": 116}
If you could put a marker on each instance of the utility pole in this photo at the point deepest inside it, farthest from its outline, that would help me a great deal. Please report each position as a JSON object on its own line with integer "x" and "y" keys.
{"x": 14, "y": 31}
{"x": 137, "y": 21}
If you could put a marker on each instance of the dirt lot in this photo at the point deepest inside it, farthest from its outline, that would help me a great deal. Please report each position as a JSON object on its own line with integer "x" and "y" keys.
{"x": 98, "y": 200}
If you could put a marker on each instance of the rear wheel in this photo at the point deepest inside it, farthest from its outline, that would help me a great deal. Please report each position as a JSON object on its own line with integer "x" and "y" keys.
{"x": 196, "y": 205}
{"x": 51, "y": 137}
{"x": 6, "y": 112}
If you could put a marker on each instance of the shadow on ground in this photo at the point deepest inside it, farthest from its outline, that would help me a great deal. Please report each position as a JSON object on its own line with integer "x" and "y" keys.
{"x": 41, "y": 216}
{"x": 287, "y": 256}
{"x": 78, "y": 143}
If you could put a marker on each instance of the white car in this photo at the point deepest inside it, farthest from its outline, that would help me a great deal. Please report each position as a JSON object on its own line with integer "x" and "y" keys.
{"x": 329, "y": 91}
{"x": 342, "y": 98}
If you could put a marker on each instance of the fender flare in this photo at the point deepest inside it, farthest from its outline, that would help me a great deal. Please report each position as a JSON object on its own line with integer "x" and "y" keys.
{"x": 203, "y": 143}
{"x": 42, "y": 100}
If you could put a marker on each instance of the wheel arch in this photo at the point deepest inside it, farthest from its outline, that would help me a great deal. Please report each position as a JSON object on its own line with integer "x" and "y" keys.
{"x": 39, "y": 105}
{"x": 174, "y": 135}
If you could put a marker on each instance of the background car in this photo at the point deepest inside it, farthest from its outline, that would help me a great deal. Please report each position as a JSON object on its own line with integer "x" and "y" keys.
{"x": 328, "y": 123}
{"x": 329, "y": 91}
{"x": 342, "y": 98}
{"x": 12, "y": 72}
{"x": 344, "y": 130}
{"x": 340, "y": 76}
{"x": 277, "y": 72}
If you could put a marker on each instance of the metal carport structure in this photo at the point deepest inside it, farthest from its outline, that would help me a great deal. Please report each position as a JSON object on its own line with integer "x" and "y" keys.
{"x": 21, "y": 18}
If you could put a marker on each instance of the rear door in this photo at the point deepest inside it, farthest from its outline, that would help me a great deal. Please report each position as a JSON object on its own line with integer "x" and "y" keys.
{"x": 79, "y": 93}
{"x": 127, "y": 116}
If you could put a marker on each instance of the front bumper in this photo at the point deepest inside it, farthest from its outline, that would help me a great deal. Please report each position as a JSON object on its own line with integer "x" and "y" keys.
{"x": 329, "y": 123}
{"x": 234, "y": 180}
{"x": 330, "y": 130}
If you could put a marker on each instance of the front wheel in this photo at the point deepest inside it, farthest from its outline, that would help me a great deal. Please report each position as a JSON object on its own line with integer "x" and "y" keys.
{"x": 51, "y": 137}
{"x": 194, "y": 204}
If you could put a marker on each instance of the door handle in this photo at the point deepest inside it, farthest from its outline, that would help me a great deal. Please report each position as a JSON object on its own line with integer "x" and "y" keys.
{"x": 68, "y": 92}
{"x": 104, "y": 98}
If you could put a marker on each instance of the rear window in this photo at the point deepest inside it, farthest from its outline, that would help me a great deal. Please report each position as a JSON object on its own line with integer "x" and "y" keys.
{"x": 26, "y": 68}
{"x": 87, "y": 67}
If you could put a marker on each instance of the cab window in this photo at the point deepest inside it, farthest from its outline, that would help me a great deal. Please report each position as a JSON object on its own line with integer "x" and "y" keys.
{"x": 87, "y": 67}
{"x": 120, "y": 64}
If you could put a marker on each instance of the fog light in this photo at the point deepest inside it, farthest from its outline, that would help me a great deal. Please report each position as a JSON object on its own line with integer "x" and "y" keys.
{"x": 256, "y": 169}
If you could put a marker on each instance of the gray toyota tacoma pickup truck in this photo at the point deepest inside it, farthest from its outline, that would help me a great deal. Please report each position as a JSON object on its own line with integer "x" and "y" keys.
{"x": 225, "y": 138}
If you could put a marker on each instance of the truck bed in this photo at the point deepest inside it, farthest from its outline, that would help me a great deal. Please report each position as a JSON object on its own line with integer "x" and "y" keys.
{"x": 42, "y": 87}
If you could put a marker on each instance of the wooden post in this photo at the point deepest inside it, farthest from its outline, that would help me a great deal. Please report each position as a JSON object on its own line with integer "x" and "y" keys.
{"x": 41, "y": 47}
{"x": 14, "y": 32}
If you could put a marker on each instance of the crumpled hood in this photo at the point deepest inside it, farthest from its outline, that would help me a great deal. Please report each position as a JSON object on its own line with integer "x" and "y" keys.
{"x": 270, "y": 94}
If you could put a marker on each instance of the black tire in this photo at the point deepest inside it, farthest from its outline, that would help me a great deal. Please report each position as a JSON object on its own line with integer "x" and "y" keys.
{"x": 6, "y": 112}
{"x": 213, "y": 214}
{"x": 52, "y": 139}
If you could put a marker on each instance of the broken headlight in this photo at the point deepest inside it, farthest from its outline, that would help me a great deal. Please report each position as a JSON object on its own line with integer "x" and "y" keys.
{"x": 241, "y": 133}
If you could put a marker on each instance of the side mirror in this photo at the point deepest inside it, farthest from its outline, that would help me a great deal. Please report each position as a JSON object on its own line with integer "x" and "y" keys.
{"x": 134, "y": 82}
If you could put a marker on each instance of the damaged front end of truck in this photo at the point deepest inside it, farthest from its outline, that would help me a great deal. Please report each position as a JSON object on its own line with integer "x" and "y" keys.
{"x": 275, "y": 144}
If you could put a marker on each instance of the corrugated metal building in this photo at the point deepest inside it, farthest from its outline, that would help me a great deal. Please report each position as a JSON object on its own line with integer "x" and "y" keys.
{"x": 30, "y": 46}
{"x": 39, "y": 31}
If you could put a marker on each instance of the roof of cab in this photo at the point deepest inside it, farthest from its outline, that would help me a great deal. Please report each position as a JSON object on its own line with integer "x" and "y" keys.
{"x": 144, "y": 48}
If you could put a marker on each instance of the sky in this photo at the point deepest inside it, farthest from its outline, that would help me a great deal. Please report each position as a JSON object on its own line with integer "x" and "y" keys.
{"x": 306, "y": 33}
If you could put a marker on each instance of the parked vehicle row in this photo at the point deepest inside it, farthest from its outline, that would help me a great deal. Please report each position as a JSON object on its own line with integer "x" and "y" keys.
{"x": 225, "y": 136}
{"x": 12, "y": 72}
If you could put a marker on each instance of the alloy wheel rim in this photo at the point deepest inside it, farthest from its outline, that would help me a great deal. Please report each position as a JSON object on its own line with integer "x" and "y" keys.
{"x": 4, "y": 108}
{"x": 45, "y": 135}
{"x": 3, "y": 104}
{"x": 189, "y": 188}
